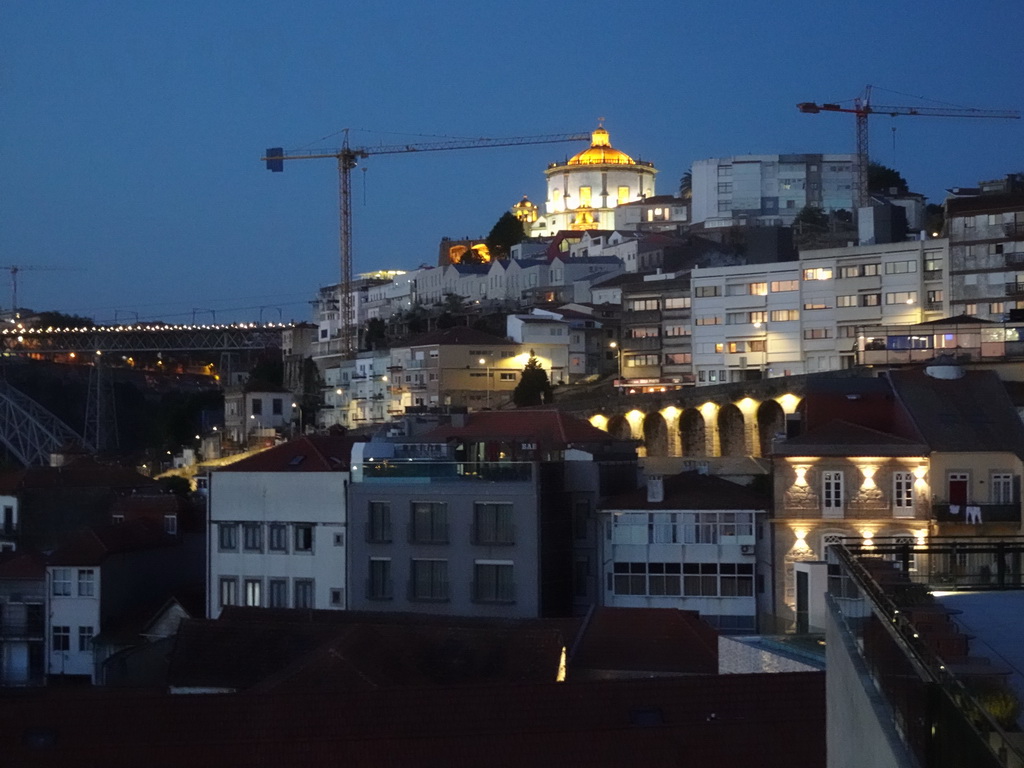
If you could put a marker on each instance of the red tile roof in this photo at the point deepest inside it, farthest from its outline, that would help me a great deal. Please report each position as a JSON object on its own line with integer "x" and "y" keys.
{"x": 726, "y": 721}
{"x": 312, "y": 453}
{"x": 93, "y": 546}
{"x": 81, "y": 473}
{"x": 23, "y": 565}
{"x": 692, "y": 490}
{"x": 652, "y": 640}
{"x": 841, "y": 438}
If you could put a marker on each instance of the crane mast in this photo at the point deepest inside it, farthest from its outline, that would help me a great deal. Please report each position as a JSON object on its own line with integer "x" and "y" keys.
{"x": 863, "y": 108}
{"x": 348, "y": 158}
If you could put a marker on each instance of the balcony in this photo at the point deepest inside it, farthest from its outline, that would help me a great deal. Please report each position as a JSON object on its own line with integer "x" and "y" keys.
{"x": 646, "y": 344}
{"x": 1014, "y": 259}
{"x": 397, "y": 470}
{"x": 989, "y": 513}
{"x": 933, "y": 274}
{"x": 1014, "y": 229}
{"x": 1015, "y": 289}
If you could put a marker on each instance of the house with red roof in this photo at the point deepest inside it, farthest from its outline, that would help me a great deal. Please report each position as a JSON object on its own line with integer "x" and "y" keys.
{"x": 489, "y": 513}
{"x": 278, "y": 527}
{"x": 103, "y": 576}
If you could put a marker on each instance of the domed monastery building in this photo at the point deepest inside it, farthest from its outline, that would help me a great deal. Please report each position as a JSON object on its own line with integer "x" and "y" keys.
{"x": 584, "y": 191}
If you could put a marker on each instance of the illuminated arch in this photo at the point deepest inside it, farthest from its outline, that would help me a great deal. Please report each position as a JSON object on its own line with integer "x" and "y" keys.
{"x": 732, "y": 431}
{"x": 619, "y": 427}
{"x": 655, "y": 435}
{"x": 693, "y": 436}
{"x": 771, "y": 421}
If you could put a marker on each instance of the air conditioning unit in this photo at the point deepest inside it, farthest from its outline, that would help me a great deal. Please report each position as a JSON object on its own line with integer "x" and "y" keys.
{"x": 747, "y": 549}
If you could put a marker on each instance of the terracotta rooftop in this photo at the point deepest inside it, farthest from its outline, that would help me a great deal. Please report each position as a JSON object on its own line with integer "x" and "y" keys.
{"x": 726, "y": 721}
{"x": 841, "y": 438}
{"x": 312, "y": 453}
{"x": 83, "y": 472}
{"x": 650, "y": 640}
{"x": 692, "y": 490}
{"x": 22, "y": 565}
{"x": 93, "y": 546}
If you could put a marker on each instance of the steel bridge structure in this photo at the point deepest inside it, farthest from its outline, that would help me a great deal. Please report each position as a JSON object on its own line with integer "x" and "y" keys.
{"x": 31, "y": 433}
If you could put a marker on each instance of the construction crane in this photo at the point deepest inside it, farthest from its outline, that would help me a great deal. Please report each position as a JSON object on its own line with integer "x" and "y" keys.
{"x": 348, "y": 157}
{"x": 863, "y": 108}
{"x": 14, "y": 269}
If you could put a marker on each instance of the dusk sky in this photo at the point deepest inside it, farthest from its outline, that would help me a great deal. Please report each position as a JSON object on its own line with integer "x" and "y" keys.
{"x": 131, "y": 131}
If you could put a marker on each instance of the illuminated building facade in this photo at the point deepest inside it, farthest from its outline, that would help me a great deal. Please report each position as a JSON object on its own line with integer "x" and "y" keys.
{"x": 584, "y": 191}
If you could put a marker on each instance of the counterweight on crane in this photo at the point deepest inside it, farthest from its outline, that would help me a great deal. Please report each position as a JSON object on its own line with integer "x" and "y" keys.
{"x": 347, "y": 158}
{"x": 863, "y": 108}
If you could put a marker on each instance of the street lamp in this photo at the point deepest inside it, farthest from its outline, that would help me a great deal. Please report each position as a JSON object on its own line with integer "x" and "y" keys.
{"x": 295, "y": 406}
{"x": 487, "y": 369}
{"x": 764, "y": 347}
{"x": 618, "y": 361}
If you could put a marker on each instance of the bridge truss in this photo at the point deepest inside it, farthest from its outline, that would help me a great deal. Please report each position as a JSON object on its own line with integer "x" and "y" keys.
{"x": 29, "y": 431}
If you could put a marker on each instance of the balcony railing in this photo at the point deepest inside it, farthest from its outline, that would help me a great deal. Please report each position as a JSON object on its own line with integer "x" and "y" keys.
{"x": 1015, "y": 289}
{"x": 447, "y": 471}
{"x": 933, "y": 714}
{"x": 976, "y": 513}
{"x": 1013, "y": 229}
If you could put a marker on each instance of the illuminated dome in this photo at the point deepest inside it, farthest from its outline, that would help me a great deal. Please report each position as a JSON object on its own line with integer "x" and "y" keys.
{"x": 601, "y": 152}
{"x": 525, "y": 211}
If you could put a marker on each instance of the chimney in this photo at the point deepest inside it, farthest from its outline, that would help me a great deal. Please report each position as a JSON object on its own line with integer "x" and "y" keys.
{"x": 655, "y": 489}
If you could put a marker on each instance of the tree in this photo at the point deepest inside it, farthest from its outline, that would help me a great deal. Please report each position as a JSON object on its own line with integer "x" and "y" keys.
{"x": 267, "y": 375}
{"x": 935, "y": 218}
{"x": 54, "y": 319}
{"x": 686, "y": 185}
{"x": 506, "y": 232}
{"x": 883, "y": 179}
{"x": 533, "y": 387}
{"x": 375, "y": 335}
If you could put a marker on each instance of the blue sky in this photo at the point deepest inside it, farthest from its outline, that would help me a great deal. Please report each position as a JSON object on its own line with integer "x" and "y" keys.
{"x": 131, "y": 131}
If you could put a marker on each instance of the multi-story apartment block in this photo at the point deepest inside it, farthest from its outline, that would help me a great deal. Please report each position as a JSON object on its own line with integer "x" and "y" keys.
{"x": 687, "y": 542}
{"x": 770, "y": 320}
{"x": 655, "y": 351}
{"x": 769, "y": 189}
{"x": 277, "y": 527}
{"x": 23, "y": 603}
{"x": 986, "y": 252}
{"x": 487, "y": 514}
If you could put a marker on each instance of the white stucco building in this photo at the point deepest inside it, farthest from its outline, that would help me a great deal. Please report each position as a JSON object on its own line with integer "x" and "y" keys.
{"x": 277, "y": 527}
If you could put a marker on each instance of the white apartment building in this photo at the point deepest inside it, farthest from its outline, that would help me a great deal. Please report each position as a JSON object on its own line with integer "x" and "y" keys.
{"x": 769, "y": 189}
{"x": 278, "y": 527}
{"x": 770, "y": 320}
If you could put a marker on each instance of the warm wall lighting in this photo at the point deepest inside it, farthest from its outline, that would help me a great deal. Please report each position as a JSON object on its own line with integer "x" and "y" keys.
{"x": 599, "y": 421}
{"x": 867, "y": 536}
{"x": 670, "y": 413}
{"x": 920, "y": 472}
{"x": 788, "y": 402}
{"x": 801, "y": 475}
{"x": 869, "y": 477}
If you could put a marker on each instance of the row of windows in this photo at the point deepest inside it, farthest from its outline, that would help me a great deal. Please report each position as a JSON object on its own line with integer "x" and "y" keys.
{"x": 493, "y": 581}
{"x": 682, "y": 528}
{"x": 271, "y": 537}
{"x": 61, "y": 638}
{"x": 682, "y": 579}
{"x": 671, "y": 302}
{"x": 428, "y": 523}
{"x": 61, "y": 585}
{"x": 276, "y": 596}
